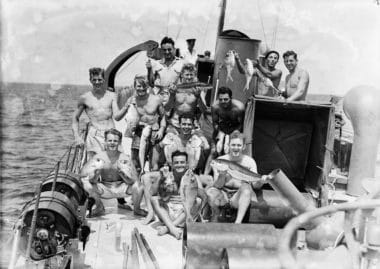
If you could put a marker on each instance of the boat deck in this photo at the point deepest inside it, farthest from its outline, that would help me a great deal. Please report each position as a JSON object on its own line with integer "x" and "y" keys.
{"x": 101, "y": 250}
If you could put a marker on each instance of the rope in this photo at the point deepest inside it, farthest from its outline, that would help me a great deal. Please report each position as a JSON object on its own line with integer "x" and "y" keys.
{"x": 261, "y": 20}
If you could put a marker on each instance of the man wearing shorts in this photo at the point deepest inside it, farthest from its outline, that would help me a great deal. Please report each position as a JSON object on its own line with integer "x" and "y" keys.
{"x": 116, "y": 179}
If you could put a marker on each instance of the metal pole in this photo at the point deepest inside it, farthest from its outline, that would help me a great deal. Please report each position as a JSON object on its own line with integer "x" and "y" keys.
{"x": 55, "y": 177}
{"x": 74, "y": 158}
{"x": 34, "y": 220}
{"x": 68, "y": 158}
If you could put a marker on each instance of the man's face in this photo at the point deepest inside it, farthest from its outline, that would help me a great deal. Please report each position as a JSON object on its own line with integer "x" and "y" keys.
{"x": 188, "y": 76}
{"x": 186, "y": 125}
{"x": 168, "y": 50}
{"x": 236, "y": 147}
{"x": 97, "y": 81}
{"x": 224, "y": 100}
{"x": 180, "y": 164}
{"x": 140, "y": 90}
{"x": 290, "y": 63}
{"x": 112, "y": 142}
{"x": 272, "y": 60}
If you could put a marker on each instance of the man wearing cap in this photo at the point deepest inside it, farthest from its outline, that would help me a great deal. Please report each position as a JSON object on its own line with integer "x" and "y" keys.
{"x": 190, "y": 55}
{"x": 264, "y": 71}
{"x": 166, "y": 71}
{"x": 297, "y": 81}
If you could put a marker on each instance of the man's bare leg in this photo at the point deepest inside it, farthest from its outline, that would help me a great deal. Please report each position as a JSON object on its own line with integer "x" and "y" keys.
{"x": 165, "y": 218}
{"x": 150, "y": 183}
{"x": 242, "y": 200}
{"x": 179, "y": 221}
{"x": 146, "y": 132}
{"x": 216, "y": 199}
{"x": 155, "y": 158}
{"x": 137, "y": 193}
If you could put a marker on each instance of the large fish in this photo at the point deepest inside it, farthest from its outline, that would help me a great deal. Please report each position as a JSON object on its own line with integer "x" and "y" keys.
{"x": 229, "y": 63}
{"x": 249, "y": 71}
{"x": 189, "y": 190}
{"x": 236, "y": 170}
{"x": 92, "y": 167}
{"x": 171, "y": 143}
{"x": 127, "y": 170}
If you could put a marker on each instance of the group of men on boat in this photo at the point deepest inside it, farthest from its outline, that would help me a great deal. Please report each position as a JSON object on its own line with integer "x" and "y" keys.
{"x": 164, "y": 122}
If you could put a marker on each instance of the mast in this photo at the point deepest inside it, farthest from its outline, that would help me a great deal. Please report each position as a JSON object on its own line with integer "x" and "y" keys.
{"x": 221, "y": 17}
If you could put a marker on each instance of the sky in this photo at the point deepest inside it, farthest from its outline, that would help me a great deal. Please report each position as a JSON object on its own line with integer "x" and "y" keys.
{"x": 57, "y": 41}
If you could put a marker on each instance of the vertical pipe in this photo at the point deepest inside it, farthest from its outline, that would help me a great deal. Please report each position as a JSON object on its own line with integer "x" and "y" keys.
{"x": 68, "y": 158}
{"x": 362, "y": 106}
{"x": 34, "y": 220}
{"x": 221, "y": 17}
{"x": 55, "y": 177}
{"x": 74, "y": 158}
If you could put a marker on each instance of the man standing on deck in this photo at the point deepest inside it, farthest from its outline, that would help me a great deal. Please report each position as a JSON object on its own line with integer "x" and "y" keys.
{"x": 297, "y": 81}
{"x": 117, "y": 178}
{"x": 166, "y": 70}
{"x": 100, "y": 106}
{"x": 190, "y": 55}
{"x": 268, "y": 70}
{"x": 225, "y": 184}
{"x": 150, "y": 114}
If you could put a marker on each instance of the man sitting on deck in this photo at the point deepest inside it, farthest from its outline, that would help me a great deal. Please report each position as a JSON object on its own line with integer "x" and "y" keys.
{"x": 225, "y": 184}
{"x": 168, "y": 204}
{"x": 111, "y": 174}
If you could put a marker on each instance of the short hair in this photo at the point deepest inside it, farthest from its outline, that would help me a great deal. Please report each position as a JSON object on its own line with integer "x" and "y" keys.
{"x": 207, "y": 53}
{"x": 114, "y": 132}
{"x": 224, "y": 90}
{"x": 188, "y": 67}
{"x": 186, "y": 116}
{"x": 236, "y": 134}
{"x": 270, "y": 52}
{"x": 289, "y": 53}
{"x": 179, "y": 153}
{"x": 141, "y": 79}
{"x": 96, "y": 71}
{"x": 167, "y": 40}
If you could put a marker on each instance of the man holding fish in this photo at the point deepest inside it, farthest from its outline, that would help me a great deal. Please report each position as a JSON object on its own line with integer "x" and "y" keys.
{"x": 236, "y": 174}
{"x": 111, "y": 174}
{"x": 172, "y": 195}
{"x": 269, "y": 76}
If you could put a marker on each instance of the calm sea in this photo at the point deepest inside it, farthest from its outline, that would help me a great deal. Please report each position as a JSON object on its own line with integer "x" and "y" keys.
{"x": 36, "y": 132}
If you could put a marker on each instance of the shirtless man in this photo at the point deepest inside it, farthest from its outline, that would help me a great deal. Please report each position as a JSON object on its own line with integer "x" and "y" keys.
{"x": 241, "y": 199}
{"x": 268, "y": 70}
{"x": 100, "y": 106}
{"x": 188, "y": 140}
{"x": 297, "y": 81}
{"x": 227, "y": 116}
{"x": 186, "y": 98}
{"x": 116, "y": 179}
{"x": 166, "y": 70}
{"x": 149, "y": 121}
{"x": 168, "y": 205}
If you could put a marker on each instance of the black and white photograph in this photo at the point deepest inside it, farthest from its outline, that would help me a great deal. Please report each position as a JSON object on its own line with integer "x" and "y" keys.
{"x": 176, "y": 134}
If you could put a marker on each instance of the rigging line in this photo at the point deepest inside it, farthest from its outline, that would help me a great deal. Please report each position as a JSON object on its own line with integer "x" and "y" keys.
{"x": 208, "y": 22}
{"x": 279, "y": 10}
{"x": 261, "y": 20}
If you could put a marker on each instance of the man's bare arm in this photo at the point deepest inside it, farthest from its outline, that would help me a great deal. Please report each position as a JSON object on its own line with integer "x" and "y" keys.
{"x": 117, "y": 113}
{"x": 275, "y": 74}
{"x": 301, "y": 87}
{"x": 215, "y": 118}
{"x": 75, "y": 122}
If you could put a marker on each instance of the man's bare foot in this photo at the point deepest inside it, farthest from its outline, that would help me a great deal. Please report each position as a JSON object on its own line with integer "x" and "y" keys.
{"x": 140, "y": 212}
{"x": 162, "y": 230}
{"x": 125, "y": 206}
{"x": 177, "y": 233}
{"x": 99, "y": 211}
{"x": 148, "y": 219}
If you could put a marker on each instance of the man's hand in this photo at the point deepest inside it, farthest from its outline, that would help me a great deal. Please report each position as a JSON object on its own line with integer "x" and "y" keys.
{"x": 172, "y": 88}
{"x": 159, "y": 134}
{"x": 257, "y": 185}
{"x": 148, "y": 64}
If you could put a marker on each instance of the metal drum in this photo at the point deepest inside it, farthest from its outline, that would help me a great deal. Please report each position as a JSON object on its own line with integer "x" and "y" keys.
{"x": 56, "y": 223}
{"x": 68, "y": 185}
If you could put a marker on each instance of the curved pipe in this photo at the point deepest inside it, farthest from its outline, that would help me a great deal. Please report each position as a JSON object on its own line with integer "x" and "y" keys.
{"x": 112, "y": 69}
{"x": 285, "y": 254}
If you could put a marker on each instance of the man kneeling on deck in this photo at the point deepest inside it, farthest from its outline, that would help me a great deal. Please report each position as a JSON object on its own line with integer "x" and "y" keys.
{"x": 111, "y": 174}
{"x": 233, "y": 175}
{"x": 177, "y": 191}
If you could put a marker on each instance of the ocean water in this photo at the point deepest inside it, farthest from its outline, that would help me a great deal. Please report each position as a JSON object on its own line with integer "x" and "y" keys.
{"x": 35, "y": 133}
